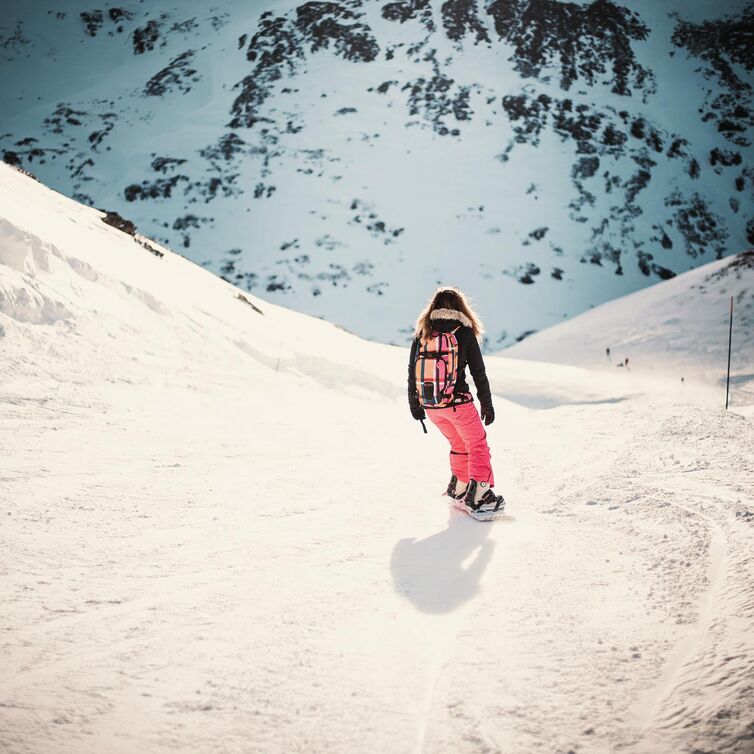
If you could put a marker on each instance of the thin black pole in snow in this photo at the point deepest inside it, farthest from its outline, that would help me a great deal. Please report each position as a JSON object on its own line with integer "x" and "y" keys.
{"x": 730, "y": 339}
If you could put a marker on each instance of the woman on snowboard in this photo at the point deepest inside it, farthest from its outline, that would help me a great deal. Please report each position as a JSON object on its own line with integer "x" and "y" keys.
{"x": 446, "y": 340}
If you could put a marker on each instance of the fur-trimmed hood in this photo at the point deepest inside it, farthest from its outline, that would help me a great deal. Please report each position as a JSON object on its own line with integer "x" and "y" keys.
{"x": 453, "y": 314}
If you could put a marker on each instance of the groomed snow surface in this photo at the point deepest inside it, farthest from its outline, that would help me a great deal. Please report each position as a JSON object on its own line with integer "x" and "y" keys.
{"x": 222, "y": 531}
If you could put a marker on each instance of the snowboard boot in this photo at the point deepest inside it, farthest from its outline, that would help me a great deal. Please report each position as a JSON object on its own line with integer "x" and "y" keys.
{"x": 456, "y": 489}
{"x": 481, "y": 502}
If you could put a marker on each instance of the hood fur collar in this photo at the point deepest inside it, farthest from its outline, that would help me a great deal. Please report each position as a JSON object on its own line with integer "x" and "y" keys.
{"x": 451, "y": 314}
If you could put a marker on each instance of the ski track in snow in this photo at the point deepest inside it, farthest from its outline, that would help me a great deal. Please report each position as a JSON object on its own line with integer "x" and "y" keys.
{"x": 222, "y": 531}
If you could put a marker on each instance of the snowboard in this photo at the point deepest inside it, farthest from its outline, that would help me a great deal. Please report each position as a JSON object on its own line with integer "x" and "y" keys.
{"x": 478, "y": 515}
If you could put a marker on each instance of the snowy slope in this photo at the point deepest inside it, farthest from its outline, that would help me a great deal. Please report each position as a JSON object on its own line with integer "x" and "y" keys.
{"x": 221, "y": 530}
{"x": 341, "y": 157}
{"x": 679, "y": 328}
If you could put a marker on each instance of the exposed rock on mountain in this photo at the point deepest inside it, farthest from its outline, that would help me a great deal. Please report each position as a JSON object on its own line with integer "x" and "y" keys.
{"x": 545, "y": 155}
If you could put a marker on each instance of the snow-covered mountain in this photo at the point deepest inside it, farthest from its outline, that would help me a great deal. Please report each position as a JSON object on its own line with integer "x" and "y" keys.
{"x": 341, "y": 158}
{"x": 221, "y": 528}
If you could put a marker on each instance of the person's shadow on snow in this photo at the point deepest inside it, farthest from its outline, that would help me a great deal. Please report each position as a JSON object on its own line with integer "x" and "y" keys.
{"x": 441, "y": 572}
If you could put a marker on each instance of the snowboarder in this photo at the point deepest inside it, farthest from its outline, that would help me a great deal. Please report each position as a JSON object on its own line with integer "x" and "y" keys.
{"x": 445, "y": 341}
{"x": 607, "y": 351}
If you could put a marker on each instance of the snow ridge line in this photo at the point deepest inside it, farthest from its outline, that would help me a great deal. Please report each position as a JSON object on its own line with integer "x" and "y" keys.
{"x": 446, "y": 636}
{"x": 654, "y": 708}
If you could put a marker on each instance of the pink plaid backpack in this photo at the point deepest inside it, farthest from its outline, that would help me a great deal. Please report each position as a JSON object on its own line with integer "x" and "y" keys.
{"x": 435, "y": 368}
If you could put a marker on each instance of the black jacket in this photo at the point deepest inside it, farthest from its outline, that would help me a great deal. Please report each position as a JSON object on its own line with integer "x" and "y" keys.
{"x": 468, "y": 353}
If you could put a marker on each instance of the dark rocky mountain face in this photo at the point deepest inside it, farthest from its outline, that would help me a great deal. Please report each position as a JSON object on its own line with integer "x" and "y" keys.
{"x": 345, "y": 157}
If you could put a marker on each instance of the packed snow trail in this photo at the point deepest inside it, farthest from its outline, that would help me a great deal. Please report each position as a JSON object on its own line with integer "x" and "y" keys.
{"x": 222, "y": 530}
{"x": 174, "y": 585}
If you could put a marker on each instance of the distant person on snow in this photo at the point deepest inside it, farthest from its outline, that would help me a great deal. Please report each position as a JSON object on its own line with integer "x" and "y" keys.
{"x": 445, "y": 341}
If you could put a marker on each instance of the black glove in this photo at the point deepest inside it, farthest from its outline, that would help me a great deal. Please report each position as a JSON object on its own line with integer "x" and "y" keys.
{"x": 488, "y": 415}
{"x": 417, "y": 411}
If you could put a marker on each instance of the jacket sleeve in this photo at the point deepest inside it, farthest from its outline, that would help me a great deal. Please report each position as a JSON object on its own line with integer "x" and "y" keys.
{"x": 478, "y": 372}
{"x": 413, "y": 398}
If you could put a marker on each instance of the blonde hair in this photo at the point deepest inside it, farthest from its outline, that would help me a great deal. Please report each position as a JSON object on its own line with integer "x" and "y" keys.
{"x": 447, "y": 297}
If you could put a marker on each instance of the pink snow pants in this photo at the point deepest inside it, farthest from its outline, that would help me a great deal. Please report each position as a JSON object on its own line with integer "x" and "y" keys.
{"x": 469, "y": 452}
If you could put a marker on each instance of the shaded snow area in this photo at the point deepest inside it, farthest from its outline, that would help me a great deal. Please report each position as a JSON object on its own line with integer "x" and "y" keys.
{"x": 222, "y": 531}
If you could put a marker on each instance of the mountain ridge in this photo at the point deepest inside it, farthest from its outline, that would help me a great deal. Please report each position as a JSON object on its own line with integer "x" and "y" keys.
{"x": 343, "y": 158}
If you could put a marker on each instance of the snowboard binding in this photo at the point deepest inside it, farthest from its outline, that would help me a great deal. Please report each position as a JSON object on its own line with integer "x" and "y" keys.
{"x": 452, "y": 491}
{"x": 486, "y": 507}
